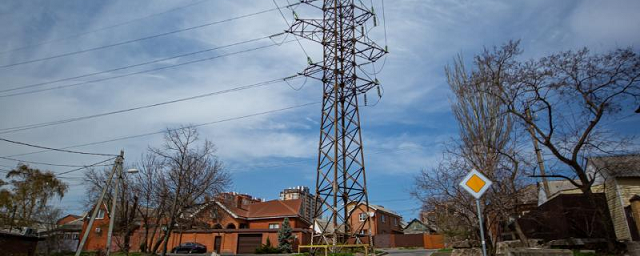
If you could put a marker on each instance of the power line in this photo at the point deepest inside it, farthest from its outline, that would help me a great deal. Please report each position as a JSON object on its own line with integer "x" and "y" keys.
{"x": 102, "y": 28}
{"x": 141, "y": 72}
{"x": 312, "y": 159}
{"x": 84, "y": 167}
{"x": 288, "y": 25}
{"x": 45, "y": 124}
{"x": 40, "y": 163}
{"x": 136, "y": 40}
{"x": 54, "y": 149}
{"x": 163, "y": 131}
{"x": 137, "y": 65}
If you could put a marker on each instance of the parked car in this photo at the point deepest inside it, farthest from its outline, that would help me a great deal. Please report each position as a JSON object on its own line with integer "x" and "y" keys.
{"x": 189, "y": 248}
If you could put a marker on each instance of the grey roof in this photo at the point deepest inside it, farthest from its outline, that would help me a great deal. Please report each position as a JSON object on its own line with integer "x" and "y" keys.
{"x": 619, "y": 166}
{"x": 557, "y": 186}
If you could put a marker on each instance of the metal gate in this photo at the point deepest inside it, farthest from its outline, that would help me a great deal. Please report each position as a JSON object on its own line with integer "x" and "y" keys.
{"x": 247, "y": 244}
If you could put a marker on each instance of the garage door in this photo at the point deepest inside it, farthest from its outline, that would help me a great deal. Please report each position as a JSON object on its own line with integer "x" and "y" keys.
{"x": 248, "y": 243}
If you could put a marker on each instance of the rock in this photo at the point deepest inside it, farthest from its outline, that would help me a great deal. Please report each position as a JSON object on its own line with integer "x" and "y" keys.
{"x": 467, "y": 252}
{"x": 503, "y": 246}
{"x": 537, "y": 252}
{"x": 466, "y": 244}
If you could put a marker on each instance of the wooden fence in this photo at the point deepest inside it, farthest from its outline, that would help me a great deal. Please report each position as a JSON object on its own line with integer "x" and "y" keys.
{"x": 409, "y": 240}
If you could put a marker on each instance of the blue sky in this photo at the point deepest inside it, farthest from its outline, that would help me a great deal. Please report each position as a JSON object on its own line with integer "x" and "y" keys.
{"x": 403, "y": 134}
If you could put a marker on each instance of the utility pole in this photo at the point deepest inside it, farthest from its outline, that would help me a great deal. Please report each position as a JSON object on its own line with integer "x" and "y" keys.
{"x": 341, "y": 186}
{"x": 114, "y": 202}
{"x": 536, "y": 147}
{"x": 116, "y": 165}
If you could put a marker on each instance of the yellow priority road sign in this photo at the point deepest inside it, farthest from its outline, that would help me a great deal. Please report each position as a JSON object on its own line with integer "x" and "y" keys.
{"x": 475, "y": 183}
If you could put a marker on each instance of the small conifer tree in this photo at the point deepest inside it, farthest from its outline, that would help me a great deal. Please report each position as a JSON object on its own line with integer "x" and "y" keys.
{"x": 285, "y": 237}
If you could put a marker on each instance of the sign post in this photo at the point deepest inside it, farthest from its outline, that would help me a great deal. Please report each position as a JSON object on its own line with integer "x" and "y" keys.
{"x": 476, "y": 184}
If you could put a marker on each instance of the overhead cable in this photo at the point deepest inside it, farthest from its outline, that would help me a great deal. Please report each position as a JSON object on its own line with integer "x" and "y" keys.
{"x": 63, "y": 121}
{"x": 101, "y": 28}
{"x": 136, "y": 40}
{"x": 163, "y": 131}
{"x": 54, "y": 149}
{"x": 87, "y": 166}
{"x": 138, "y": 64}
{"x": 40, "y": 163}
{"x": 139, "y": 72}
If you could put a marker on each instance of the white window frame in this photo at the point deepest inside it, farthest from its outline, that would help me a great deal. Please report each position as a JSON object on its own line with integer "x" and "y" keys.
{"x": 362, "y": 217}
{"x": 382, "y": 218}
{"x": 100, "y": 214}
{"x": 274, "y": 225}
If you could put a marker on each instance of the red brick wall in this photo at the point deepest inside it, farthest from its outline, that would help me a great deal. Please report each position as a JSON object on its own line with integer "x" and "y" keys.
{"x": 96, "y": 240}
{"x": 377, "y": 226}
{"x": 264, "y": 224}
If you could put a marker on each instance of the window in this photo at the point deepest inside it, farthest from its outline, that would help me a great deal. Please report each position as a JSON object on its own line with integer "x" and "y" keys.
{"x": 395, "y": 221}
{"x": 362, "y": 216}
{"x": 100, "y": 214}
{"x": 274, "y": 226}
{"x": 382, "y": 218}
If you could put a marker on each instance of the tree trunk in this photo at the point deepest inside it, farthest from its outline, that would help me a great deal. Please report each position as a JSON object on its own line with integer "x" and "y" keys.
{"x": 172, "y": 222}
{"x": 521, "y": 235}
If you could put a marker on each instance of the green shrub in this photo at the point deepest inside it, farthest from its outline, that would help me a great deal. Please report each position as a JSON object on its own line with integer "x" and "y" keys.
{"x": 267, "y": 248}
{"x": 578, "y": 253}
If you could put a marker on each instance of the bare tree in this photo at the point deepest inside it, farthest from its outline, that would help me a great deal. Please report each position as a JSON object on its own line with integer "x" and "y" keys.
{"x": 127, "y": 203}
{"x": 488, "y": 142}
{"x": 569, "y": 95}
{"x": 148, "y": 185}
{"x": 565, "y": 99}
{"x": 48, "y": 218}
{"x": 192, "y": 172}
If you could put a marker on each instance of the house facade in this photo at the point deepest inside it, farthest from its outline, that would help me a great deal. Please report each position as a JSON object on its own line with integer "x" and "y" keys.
{"x": 617, "y": 180}
{"x": 230, "y": 224}
{"x": 620, "y": 178}
{"x": 382, "y": 220}
{"x": 416, "y": 226}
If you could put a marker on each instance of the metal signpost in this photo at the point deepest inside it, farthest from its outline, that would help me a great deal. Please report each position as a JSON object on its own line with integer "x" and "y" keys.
{"x": 476, "y": 184}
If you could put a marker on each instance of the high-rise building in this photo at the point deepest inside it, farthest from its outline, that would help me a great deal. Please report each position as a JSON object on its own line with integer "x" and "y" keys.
{"x": 301, "y": 192}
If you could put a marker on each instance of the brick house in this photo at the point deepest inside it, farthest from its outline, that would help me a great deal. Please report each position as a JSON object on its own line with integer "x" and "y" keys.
{"x": 97, "y": 238}
{"x": 230, "y": 224}
{"x": 383, "y": 220}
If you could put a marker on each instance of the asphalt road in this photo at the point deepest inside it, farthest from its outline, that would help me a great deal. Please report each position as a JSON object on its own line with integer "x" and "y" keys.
{"x": 409, "y": 252}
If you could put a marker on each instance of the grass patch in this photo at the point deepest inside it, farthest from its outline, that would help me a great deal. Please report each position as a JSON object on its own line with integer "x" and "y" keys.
{"x": 579, "y": 253}
{"x": 446, "y": 250}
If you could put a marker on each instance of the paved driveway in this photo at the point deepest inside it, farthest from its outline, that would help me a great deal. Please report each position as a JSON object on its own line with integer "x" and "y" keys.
{"x": 409, "y": 252}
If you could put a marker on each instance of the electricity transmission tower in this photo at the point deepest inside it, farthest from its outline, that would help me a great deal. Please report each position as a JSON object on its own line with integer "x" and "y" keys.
{"x": 341, "y": 181}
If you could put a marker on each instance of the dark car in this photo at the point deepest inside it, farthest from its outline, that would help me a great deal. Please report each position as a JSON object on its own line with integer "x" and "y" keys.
{"x": 189, "y": 248}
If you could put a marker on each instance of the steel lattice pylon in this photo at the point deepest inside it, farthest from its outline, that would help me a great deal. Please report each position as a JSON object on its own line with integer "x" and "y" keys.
{"x": 341, "y": 180}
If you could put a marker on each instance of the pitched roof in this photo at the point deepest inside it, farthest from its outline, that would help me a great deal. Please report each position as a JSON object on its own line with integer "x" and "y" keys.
{"x": 275, "y": 208}
{"x": 618, "y": 166}
{"x": 268, "y": 209}
{"x": 381, "y": 208}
